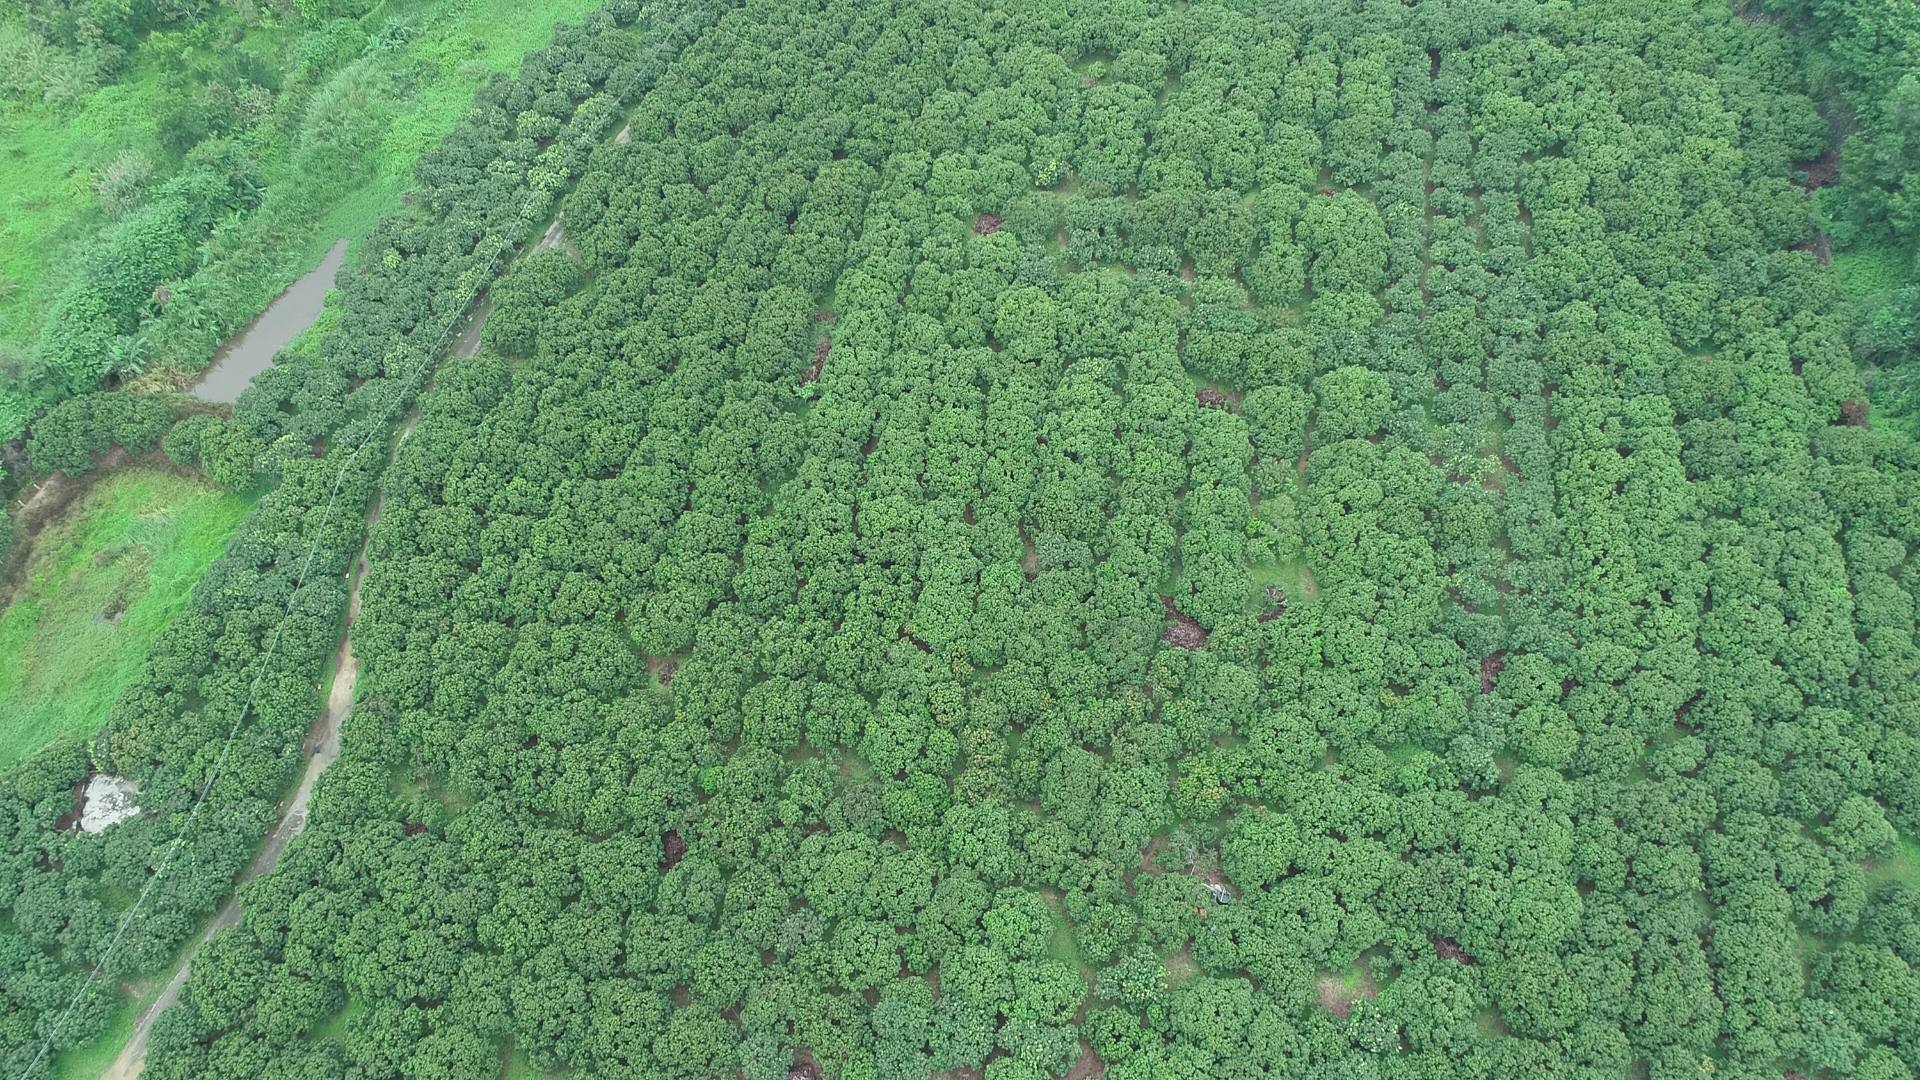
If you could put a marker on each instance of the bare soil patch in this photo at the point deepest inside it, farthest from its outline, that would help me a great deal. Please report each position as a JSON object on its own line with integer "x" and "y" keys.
{"x": 1088, "y": 1066}
{"x": 1448, "y": 949}
{"x": 804, "y": 1067}
{"x": 820, "y": 351}
{"x": 1490, "y": 668}
{"x": 1818, "y": 173}
{"x": 1186, "y": 631}
{"x": 1209, "y": 398}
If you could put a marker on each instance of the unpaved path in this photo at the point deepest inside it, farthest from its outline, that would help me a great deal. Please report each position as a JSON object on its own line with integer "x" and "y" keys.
{"x": 556, "y": 233}
{"x": 467, "y": 344}
{"x": 322, "y": 744}
{"x": 321, "y": 747}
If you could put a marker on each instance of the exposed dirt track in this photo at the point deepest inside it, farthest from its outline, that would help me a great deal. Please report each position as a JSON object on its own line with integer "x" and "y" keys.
{"x": 321, "y": 747}
{"x": 322, "y": 744}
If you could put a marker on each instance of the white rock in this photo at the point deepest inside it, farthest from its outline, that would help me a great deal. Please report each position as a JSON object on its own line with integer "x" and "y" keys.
{"x": 108, "y": 801}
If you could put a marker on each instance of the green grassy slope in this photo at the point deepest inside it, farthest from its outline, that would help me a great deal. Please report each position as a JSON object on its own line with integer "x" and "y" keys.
{"x": 96, "y": 590}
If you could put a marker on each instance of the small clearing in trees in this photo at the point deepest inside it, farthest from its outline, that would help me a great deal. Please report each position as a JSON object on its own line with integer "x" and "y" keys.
{"x": 1088, "y": 1066}
{"x": 1490, "y": 667}
{"x": 986, "y": 224}
{"x": 1820, "y": 246}
{"x": 72, "y": 817}
{"x": 1339, "y": 999}
{"x": 1209, "y": 398}
{"x": 1186, "y": 631}
{"x": 673, "y": 849}
{"x": 820, "y": 352}
{"x": 1818, "y": 173}
{"x": 804, "y": 1067}
{"x": 106, "y": 802}
{"x": 1276, "y": 604}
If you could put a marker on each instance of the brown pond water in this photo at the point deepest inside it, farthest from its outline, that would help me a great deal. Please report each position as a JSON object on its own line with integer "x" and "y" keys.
{"x": 252, "y": 350}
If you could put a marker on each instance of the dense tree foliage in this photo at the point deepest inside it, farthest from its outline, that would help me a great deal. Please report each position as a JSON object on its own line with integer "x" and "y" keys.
{"x": 1865, "y": 56}
{"x": 1214, "y": 539}
{"x": 1862, "y": 59}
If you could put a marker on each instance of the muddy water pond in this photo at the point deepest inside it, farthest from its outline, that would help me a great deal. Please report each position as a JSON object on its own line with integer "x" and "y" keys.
{"x": 252, "y": 350}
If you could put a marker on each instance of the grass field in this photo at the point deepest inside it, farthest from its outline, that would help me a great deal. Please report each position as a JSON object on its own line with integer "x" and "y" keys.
{"x": 95, "y": 591}
{"x": 46, "y": 194}
{"x": 1902, "y": 864}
